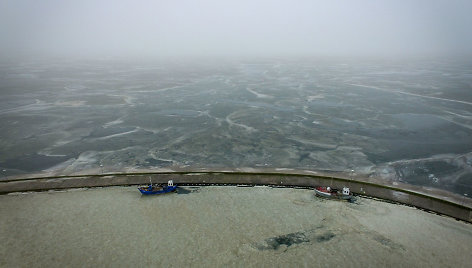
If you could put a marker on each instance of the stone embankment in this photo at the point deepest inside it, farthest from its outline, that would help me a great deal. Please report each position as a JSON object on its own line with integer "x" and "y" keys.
{"x": 410, "y": 197}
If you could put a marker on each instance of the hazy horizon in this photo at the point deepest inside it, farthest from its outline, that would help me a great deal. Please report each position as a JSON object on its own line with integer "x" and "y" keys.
{"x": 159, "y": 29}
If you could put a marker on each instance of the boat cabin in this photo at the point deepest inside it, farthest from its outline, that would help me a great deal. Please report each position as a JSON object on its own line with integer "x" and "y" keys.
{"x": 346, "y": 191}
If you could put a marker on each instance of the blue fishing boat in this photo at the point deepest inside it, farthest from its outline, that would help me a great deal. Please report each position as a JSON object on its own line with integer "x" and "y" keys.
{"x": 154, "y": 189}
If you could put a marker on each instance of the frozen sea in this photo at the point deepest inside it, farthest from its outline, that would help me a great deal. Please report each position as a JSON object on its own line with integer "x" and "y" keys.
{"x": 405, "y": 121}
{"x": 222, "y": 227}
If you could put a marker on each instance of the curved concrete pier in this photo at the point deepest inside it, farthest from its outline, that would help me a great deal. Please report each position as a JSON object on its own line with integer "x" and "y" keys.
{"x": 281, "y": 179}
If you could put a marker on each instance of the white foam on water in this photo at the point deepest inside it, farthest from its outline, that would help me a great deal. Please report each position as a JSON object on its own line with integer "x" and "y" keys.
{"x": 118, "y": 134}
{"x": 112, "y": 123}
{"x": 259, "y": 95}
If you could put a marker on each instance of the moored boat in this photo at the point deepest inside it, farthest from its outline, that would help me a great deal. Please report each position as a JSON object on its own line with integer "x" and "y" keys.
{"x": 154, "y": 189}
{"x": 329, "y": 192}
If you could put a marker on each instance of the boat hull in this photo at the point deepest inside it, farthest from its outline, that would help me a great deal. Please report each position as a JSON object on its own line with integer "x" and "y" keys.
{"x": 164, "y": 190}
{"x": 332, "y": 195}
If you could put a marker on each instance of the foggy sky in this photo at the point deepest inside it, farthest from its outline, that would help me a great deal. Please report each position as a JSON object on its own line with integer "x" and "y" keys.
{"x": 235, "y": 27}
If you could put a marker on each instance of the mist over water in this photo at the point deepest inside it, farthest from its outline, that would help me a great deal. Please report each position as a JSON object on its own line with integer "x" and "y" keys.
{"x": 205, "y": 28}
{"x": 380, "y": 88}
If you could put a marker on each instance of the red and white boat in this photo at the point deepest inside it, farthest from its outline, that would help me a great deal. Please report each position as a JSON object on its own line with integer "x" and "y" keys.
{"x": 329, "y": 192}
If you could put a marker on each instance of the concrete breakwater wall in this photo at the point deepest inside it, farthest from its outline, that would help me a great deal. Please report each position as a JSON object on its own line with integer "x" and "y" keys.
{"x": 399, "y": 195}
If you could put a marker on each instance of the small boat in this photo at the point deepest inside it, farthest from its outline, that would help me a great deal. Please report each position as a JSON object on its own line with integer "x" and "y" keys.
{"x": 329, "y": 192}
{"x": 154, "y": 189}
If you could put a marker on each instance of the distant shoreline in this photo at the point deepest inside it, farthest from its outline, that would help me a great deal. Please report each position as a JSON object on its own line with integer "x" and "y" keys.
{"x": 442, "y": 202}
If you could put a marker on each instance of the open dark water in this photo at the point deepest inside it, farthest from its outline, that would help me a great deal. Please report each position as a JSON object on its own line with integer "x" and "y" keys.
{"x": 401, "y": 121}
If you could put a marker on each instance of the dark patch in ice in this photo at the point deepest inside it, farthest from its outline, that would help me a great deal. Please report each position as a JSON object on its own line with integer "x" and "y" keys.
{"x": 387, "y": 242}
{"x": 325, "y": 237}
{"x": 157, "y": 162}
{"x": 181, "y": 190}
{"x": 353, "y": 200}
{"x": 274, "y": 243}
{"x": 303, "y": 156}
